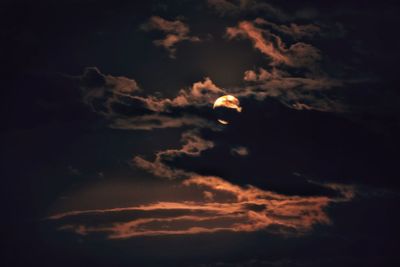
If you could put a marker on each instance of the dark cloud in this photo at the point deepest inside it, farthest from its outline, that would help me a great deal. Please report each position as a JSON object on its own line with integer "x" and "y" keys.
{"x": 104, "y": 93}
{"x": 293, "y": 30}
{"x": 193, "y": 145}
{"x": 175, "y": 31}
{"x": 318, "y": 145}
{"x": 237, "y": 7}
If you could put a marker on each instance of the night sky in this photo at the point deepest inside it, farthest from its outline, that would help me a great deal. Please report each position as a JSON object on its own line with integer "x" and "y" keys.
{"x": 112, "y": 153}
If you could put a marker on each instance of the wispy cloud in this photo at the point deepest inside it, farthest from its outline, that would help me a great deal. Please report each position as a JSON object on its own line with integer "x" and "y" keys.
{"x": 193, "y": 145}
{"x": 175, "y": 31}
{"x": 124, "y": 104}
{"x": 297, "y": 55}
{"x": 309, "y": 92}
{"x": 293, "y": 30}
{"x": 101, "y": 91}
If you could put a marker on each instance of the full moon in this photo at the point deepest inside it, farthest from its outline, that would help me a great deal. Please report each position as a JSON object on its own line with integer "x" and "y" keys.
{"x": 226, "y": 104}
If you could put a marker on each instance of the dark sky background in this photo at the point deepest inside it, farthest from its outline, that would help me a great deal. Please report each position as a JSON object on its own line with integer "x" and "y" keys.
{"x": 112, "y": 155}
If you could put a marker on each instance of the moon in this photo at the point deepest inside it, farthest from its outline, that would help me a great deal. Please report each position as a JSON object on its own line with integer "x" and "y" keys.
{"x": 227, "y": 102}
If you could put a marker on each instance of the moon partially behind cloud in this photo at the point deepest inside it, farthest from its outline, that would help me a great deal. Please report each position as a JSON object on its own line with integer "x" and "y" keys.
{"x": 227, "y": 101}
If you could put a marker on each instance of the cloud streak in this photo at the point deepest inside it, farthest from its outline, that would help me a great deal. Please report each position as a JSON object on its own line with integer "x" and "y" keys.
{"x": 231, "y": 208}
{"x": 271, "y": 45}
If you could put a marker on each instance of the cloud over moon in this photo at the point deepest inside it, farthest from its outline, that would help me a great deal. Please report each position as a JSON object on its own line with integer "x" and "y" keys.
{"x": 126, "y": 106}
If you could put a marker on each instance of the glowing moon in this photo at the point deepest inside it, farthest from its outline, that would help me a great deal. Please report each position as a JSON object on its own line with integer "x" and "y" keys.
{"x": 229, "y": 102}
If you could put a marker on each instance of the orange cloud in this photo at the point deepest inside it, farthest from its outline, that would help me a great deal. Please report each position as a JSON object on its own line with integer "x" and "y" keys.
{"x": 201, "y": 92}
{"x": 247, "y": 29}
{"x": 297, "y": 55}
{"x": 227, "y": 207}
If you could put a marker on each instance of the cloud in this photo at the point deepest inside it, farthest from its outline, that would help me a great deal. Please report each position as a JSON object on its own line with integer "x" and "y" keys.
{"x": 261, "y": 75}
{"x": 193, "y": 145}
{"x": 237, "y": 7}
{"x": 124, "y": 104}
{"x": 99, "y": 84}
{"x": 175, "y": 31}
{"x": 318, "y": 92}
{"x": 295, "y": 92}
{"x": 293, "y": 30}
{"x": 226, "y": 207}
{"x": 240, "y": 151}
{"x": 101, "y": 91}
{"x": 184, "y": 109}
{"x": 208, "y": 196}
{"x": 156, "y": 121}
{"x": 296, "y": 73}
{"x": 297, "y": 55}
{"x": 224, "y": 7}
{"x": 201, "y": 93}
